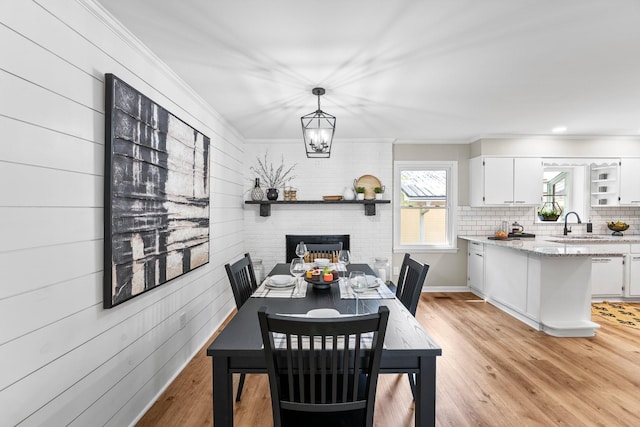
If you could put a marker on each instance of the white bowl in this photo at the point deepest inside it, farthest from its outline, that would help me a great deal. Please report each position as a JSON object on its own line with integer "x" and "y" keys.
{"x": 321, "y": 262}
{"x": 281, "y": 279}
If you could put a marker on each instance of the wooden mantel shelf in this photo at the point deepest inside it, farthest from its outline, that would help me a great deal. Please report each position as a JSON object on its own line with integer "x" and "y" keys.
{"x": 265, "y": 205}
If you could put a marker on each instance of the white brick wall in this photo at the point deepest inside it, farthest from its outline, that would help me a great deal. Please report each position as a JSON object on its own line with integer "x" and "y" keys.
{"x": 371, "y": 236}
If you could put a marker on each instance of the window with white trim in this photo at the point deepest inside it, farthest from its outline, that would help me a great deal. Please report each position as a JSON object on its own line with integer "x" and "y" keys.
{"x": 425, "y": 206}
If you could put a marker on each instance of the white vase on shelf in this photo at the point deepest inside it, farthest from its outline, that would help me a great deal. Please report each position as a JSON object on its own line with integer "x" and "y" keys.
{"x": 348, "y": 194}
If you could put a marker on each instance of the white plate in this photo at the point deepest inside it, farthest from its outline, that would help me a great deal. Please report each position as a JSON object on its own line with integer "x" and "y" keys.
{"x": 270, "y": 286}
{"x": 280, "y": 280}
{"x": 323, "y": 312}
{"x": 372, "y": 281}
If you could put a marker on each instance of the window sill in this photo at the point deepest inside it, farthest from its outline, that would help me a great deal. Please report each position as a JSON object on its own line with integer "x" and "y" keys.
{"x": 423, "y": 249}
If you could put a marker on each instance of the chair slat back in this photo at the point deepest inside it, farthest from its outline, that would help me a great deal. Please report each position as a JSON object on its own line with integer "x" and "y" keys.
{"x": 323, "y": 364}
{"x": 410, "y": 282}
{"x": 323, "y": 250}
{"x": 242, "y": 278}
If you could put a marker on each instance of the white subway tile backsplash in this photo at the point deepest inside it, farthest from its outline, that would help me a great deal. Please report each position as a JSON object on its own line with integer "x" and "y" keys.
{"x": 481, "y": 221}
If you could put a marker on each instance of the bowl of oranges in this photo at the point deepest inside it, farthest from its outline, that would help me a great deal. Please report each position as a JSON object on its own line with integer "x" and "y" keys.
{"x": 500, "y": 235}
{"x": 617, "y": 227}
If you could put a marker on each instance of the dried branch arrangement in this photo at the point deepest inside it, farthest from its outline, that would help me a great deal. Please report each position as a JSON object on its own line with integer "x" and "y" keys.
{"x": 273, "y": 178}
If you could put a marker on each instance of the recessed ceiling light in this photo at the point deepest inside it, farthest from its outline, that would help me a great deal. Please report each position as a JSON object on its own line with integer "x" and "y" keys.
{"x": 559, "y": 129}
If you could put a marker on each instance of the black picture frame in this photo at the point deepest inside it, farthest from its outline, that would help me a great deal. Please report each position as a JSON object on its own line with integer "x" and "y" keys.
{"x": 156, "y": 195}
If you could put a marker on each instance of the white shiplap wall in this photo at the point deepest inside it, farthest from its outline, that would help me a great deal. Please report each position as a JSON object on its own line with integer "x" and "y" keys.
{"x": 66, "y": 360}
{"x": 371, "y": 236}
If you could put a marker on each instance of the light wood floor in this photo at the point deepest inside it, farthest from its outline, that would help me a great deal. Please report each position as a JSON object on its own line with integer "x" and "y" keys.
{"x": 494, "y": 371}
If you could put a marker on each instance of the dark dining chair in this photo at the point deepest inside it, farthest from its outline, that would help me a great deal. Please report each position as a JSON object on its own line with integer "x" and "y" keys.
{"x": 329, "y": 379}
{"x": 323, "y": 250}
{"x": 410, "y": 282}
{"x": 243, "y": 283}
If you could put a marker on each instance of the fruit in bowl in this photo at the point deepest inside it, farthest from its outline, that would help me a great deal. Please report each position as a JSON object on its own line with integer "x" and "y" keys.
{"x": 501, "y": 234}
{"x": 617, "y": 227}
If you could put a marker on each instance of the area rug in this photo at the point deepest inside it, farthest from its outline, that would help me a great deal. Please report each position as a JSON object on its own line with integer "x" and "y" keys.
{"x": 618, "y": 313}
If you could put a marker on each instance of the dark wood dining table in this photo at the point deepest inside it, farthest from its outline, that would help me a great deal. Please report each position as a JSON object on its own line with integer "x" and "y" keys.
{"x": 408, "y": 348}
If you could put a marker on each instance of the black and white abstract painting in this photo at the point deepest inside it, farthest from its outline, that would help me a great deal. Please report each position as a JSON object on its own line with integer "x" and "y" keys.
{"x": 156, "y": 195}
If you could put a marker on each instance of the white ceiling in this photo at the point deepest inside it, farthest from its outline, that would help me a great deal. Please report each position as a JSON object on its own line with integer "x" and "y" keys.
{"x": 424, "y": 70}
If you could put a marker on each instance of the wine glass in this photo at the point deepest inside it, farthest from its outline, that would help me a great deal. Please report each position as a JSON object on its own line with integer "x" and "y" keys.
{"x": 297, "y": 269}
{"x": 301, "y": 249}
{"x": 344, "y": 258}
{"x": 358, "y": 284}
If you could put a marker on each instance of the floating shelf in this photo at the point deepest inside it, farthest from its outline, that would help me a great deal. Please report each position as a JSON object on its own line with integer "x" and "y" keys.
{"x": 369, "y": 205}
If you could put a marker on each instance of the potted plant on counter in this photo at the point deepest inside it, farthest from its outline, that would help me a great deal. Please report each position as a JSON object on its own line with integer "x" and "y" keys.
{"x": 549, "y": 211}
{"x": 360, "y": 193}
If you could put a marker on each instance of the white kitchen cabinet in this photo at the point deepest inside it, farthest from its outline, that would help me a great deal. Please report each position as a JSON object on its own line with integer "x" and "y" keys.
{"x": 630, "y": 182}
{"x": 475, "y": 267}
{"x": 527, "y": 176}
{"x": 506, "y": 277}
{"x": 634, "y": 271}
{"x": 607, "y": 276}
{"x": 505, "y": 181}
{"x": 634, "y": 275}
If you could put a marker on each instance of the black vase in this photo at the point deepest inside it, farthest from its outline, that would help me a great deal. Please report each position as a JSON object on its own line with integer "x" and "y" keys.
{"x": 272, "y": 194}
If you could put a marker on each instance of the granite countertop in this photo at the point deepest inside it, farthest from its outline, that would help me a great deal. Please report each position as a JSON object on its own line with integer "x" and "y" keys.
{"x": 588, "y": 245}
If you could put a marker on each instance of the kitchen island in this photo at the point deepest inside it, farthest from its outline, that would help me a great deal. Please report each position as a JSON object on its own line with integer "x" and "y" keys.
{"x": 546, "y": 281}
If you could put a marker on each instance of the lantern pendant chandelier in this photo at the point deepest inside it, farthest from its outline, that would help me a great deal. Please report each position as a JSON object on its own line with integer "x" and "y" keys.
{"x": 317, "y": 130}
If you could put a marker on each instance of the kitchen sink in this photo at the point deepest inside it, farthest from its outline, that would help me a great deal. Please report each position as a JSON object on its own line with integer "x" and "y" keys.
{"x": 582, "y": 237}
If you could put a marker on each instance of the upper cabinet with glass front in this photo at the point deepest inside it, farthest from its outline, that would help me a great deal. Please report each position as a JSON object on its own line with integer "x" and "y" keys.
{"x": 604, "y": 184}
{"x": 505, "y": 181}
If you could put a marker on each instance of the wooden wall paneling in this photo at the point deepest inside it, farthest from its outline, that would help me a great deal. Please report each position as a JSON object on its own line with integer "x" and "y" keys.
{"x": 79, "y": 361}
{"x": 52, "y": 33}
{"x": 228, "y": 215}
{"x": 34, "y": 104}
{"x": 229, "y": 199}
{"x": 31, "y": 144}
{"x": 28, "y": 60}
{"x": 23, "y": 228}
{"x": 230, "y": 225}
{"x": 101, "y": 392}
{"x": 42, "y": 346}
{"x": 98, "y": 29}
{"x": 56, "y": 124}
{"x": 30, "y": 311}
{"x": 168, "y": 359}
{"x": 225, "y": 244}
{"x": 30, "y": 269}
{"x": 225, "y": 186}
{"x": 36, "y": 186}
